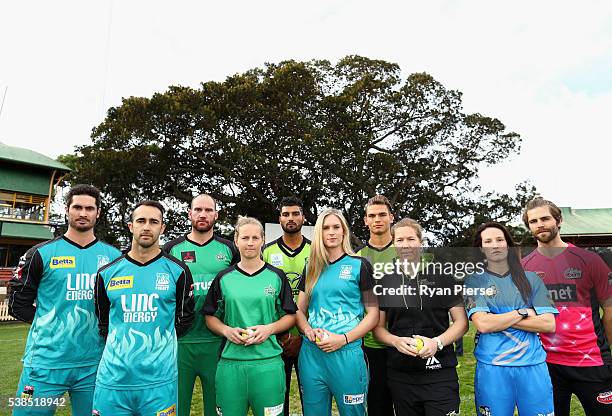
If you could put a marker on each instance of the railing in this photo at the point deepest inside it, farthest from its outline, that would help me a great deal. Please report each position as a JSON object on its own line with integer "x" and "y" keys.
{"x": 5, "y": 275}
{"x": 22, "y": 214}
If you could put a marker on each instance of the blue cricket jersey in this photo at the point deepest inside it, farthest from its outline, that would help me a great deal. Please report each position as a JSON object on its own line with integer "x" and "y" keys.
{"x": 58, "y": 275}
{"x": 138, "y": 307}
{"x": 489, "y": 292}
{"x": 336, "y": 300}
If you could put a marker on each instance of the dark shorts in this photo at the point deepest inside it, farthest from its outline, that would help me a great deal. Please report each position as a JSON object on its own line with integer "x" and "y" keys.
{"x": 435, "y": 399}
{"x": 592, "y": 386}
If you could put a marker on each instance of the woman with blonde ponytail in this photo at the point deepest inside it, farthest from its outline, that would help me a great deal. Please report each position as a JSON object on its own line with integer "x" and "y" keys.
{"x": 336, "y": 309}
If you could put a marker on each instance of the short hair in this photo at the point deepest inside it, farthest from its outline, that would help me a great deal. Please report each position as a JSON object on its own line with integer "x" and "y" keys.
{"x": 408, "y": 222}
{"x": 83, "y": 189}
{"x": 379, "y": 200}
{"x": 291, "y": 201}
{"x": 242, "y": 221}
{"x": 208, "y": 195}
{"x": 538, "y": 202}
{"x": 150, "y": 203}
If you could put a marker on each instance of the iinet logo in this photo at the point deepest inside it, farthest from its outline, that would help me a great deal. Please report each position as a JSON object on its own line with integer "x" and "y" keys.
{"x": 432, "y": 363}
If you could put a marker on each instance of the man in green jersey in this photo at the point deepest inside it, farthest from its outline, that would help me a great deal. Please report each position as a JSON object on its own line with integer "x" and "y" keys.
{"x": 144, "y": 301}
{"x": 249, "y": 303}
{"x": 206, "y": 254}
{"x": 290, "y": 253}
{"x": 52, "y": 289}
{"x": 378, "y": 250}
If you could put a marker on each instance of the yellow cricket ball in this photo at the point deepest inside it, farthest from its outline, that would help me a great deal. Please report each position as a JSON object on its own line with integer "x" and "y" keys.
{"x": 419, "y": 344}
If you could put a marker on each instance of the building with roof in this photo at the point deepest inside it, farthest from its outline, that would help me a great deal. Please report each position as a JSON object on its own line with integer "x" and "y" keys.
{"x": 587, "y": 227}
{"x": 27, "y": 179}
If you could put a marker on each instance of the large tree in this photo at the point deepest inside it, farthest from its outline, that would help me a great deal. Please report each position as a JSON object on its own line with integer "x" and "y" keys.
{"x": 333, "y": 135}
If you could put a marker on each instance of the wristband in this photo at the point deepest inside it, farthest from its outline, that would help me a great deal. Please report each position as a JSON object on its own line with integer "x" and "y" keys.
{"x": 346, "y": 339}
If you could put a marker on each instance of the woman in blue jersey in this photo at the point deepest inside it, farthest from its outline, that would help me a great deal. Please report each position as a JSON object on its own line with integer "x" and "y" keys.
{"x": 336, "y": 309}
{"x": 509, "y": 307}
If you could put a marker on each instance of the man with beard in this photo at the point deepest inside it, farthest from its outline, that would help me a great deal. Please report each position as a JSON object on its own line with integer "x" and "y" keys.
{"x": 379, "y": 251}
{"x": 144, "y": 301}
{"x": 53, "y": 288}
{"x": 290, "y": 254}
{"x": 206, "y": 254}
{"x": 579, "y": 282}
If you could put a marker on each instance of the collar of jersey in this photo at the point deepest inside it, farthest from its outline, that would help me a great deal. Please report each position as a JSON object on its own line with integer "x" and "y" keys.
{"x": 287, "y": 250}
{"x": 139, "y": 264}
{"x": 380, "y": 250}
{"x": 338, "y": 259}
{"x": 78, "y": 246}
{"x": 249, "y": 274}
{"x": 496, "y": 274}
{"x": 198, "y": 244}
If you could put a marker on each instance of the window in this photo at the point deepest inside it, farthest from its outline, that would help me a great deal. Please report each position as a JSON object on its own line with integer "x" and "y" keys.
{"x": 22, "y": 206}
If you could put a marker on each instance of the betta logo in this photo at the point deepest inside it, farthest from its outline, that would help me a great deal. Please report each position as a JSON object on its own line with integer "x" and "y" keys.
{"x": 121, "y": 282}
{"x": 63, "y": 262}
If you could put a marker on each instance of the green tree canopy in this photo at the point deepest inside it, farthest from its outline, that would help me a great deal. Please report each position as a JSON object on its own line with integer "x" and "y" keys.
{"x": 334, "y": 135}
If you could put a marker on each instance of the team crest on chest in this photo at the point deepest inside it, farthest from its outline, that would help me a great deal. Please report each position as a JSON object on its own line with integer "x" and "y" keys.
{"x": 269, "y": 291}
{"x": 162, "y": 281}
{"x": 276, "y": 260}
{"x": 572, "y": 273}
{"x": 346, "y": 270}
{"x": 221, "y": 257}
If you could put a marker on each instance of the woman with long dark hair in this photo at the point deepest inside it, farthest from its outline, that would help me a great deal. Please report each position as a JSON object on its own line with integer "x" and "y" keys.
{"x": 509, "y": 307}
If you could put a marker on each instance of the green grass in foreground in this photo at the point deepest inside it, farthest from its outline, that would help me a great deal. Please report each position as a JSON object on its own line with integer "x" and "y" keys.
{"x": 12, "y": 342}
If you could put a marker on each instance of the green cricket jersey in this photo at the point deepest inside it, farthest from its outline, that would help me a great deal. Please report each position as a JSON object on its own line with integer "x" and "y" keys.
{"x": 242, "y": 300}
{"x": 204, "y": 261}
{"x": 292, "y": 262}
{"x": 377, "y": 257}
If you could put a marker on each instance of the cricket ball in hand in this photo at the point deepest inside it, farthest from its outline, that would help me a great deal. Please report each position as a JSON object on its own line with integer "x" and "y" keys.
{"x": 247, "y": 333}
{"x": 419, "y": 344}
{"x": 325, "y": 336}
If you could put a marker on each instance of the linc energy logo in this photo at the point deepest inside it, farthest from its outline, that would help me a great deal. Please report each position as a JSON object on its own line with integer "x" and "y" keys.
{"x": 121, "y": 282}
{"x": 63, "y": 262}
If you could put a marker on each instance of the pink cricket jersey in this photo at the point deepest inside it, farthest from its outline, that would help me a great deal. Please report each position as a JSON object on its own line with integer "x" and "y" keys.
{"x": 578, "y": 281}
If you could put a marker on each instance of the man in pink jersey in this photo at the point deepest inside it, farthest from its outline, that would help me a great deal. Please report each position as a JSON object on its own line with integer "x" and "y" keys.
{"x": 579, "y": 282}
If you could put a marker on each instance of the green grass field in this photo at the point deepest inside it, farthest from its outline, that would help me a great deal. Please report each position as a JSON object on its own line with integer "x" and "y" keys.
{"x": 12, "y": 342}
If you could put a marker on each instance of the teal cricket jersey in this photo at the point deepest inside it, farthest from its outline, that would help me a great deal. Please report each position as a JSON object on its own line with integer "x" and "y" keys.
{"x": 292, "y": 262}
{"x": 204, "y": 261}
{"x": 378, "y": 258}
{"x": 242, "y": 300}
{"x": 58, "y": 275}
{"x": 141, "y": 309}
{"x": 336, "y": 303}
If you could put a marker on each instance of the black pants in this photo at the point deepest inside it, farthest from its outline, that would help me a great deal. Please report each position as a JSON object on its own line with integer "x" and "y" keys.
{"x": 291, "y": 362}
{"x": 434, "y": 399}
{"x": 592, "y": 386}
{"x": 379, "y": 395}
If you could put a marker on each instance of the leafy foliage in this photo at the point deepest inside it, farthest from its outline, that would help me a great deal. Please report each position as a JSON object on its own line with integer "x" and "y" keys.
{"x": 334, "y": 135}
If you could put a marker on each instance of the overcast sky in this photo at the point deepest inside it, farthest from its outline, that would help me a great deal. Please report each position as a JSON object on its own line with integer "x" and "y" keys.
{"x": 544, "y": 68}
